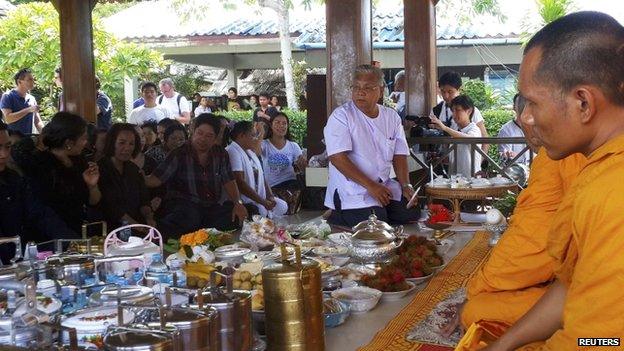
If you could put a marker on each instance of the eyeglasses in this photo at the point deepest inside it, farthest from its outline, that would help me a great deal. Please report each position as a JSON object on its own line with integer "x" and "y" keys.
{"x": 366, "y": 89}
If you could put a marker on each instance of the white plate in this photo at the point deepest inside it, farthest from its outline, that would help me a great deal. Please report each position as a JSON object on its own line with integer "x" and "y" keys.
{"x": 420, "y": 280}
{"x": 108, "y": 315}
{"x": 397, "y": 295}
{"x": 329, "y": 251}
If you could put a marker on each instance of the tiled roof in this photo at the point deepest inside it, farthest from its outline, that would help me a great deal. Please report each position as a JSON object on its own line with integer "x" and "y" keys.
{"x": 157, "y": 19}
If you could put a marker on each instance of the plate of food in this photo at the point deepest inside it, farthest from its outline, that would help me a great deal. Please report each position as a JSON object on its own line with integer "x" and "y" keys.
{"x": 327, "y": 269}
{"x": 397, "y": 295}
{"x": 329, "y": 251}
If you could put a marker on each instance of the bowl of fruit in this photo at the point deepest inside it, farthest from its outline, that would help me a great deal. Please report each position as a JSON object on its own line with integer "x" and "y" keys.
{"x": 390, "y": 280}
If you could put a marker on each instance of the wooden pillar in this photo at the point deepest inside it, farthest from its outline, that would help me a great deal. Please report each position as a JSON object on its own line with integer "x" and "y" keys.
{"x": 420, "y": 56}
{"x": 76, "y": 29}
{"x": 349, "y": 44}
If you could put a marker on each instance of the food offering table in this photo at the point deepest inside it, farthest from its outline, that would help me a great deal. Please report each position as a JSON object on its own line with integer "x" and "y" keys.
{"x": 456, "y": 196}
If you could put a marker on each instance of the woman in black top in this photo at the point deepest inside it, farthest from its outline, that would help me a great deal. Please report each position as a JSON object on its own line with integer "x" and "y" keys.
{"x": 61, "y": 177}
{"x": 125, "y": 199}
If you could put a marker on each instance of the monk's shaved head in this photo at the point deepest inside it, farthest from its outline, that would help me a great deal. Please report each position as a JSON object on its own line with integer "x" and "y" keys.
{"x": 582, "y": 48}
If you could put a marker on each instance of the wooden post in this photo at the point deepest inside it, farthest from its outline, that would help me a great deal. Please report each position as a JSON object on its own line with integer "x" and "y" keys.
{"x": 349, "y": 44}
{"x": 77, "y": 64}
{"x": 420, "y": 56}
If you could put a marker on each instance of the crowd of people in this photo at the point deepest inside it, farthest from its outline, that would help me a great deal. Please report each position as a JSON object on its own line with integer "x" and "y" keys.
{"x": 162, "y": 167}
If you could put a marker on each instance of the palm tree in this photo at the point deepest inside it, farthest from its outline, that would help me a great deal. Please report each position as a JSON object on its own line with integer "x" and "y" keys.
{"x": 282, "y": 9}
{"x": 550, "y": 10}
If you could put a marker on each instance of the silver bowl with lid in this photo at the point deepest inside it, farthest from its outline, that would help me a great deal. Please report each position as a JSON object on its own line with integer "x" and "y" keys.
{"x": 374, "y": 241}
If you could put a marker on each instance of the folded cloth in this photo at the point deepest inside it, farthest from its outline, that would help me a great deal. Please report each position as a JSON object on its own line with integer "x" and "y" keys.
{"x": 481, "y": 334}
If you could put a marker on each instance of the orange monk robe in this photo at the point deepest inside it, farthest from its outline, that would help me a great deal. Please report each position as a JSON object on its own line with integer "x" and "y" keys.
{"x": 586, "y": 241}
{"x": 519, "y": 267}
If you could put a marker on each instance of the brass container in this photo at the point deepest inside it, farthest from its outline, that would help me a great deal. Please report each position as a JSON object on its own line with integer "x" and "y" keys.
{"x": 293, "y": 303}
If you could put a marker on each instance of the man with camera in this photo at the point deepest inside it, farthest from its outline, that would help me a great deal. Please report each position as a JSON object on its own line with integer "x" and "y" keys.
{"x": 365, "y": 141}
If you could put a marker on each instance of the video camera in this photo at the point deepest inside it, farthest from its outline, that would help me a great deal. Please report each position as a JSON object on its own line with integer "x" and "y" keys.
{"x": 421, "y": 121}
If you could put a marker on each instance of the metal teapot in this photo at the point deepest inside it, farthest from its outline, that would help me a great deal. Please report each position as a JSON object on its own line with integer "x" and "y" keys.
{"x": 374, "y": 241}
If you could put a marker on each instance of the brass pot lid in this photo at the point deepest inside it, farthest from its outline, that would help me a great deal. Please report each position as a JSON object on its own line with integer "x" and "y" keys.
{"x": 372, "y": 231}
{"x": 372, "y": 220}
{"x": 288, "y": 268}
{"x": 135, "y": 340}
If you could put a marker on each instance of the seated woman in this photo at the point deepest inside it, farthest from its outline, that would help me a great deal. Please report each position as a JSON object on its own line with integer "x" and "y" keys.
{"x": 463, "y": 108}
{"x": 95, "y": 147}
{"x": 150, "y": 132}
{"x": 248, "y": 172}
{"x": 60, "y": 176}
{"x": 282, "y": 160}
{"x": 125, "y": 199}
{"x": 174, "y": 136}
{"x": 145, "y": 164}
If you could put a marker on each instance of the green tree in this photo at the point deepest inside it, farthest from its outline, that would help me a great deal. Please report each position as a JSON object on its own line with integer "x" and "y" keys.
{"x": 483, "y": 96}
{"x": 29, "y": 37}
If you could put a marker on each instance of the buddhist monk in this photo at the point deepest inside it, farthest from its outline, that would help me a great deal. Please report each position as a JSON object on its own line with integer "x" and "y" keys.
{"x": 519, "y": 269}
{"x": 572, "y": 75}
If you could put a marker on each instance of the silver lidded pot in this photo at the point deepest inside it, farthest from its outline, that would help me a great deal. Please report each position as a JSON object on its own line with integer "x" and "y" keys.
{"x": 234, "y": 314}
{"x": 71, "y": 269}
{"x": 197, "y": 328}
{"x": 374, "y": 241}
{"x": 137, "y": 339}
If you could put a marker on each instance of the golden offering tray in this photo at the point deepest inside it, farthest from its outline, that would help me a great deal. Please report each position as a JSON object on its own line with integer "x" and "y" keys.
{"x": 458, "y": 195}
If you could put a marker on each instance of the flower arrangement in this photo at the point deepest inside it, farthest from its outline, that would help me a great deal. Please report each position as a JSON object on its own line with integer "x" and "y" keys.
{"x": 196, "y": 245}
{"x": 439, "y": 213}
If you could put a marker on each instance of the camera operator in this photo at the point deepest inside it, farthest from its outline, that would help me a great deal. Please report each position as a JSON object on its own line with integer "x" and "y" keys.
{"x": 463, "y": 111}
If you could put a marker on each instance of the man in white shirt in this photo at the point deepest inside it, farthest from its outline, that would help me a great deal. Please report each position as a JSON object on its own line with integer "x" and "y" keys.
{"x": 512, "y": 129}
{"x": 364, "y": 142}
{"x": 178, "y": 106}
{"x": 150, "y": 111}
{"x": 248, "y": 172}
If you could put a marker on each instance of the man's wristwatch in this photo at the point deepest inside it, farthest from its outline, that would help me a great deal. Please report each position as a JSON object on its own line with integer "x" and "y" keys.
{"x": 240, "y": 202}
{"x": 408, "y": 186}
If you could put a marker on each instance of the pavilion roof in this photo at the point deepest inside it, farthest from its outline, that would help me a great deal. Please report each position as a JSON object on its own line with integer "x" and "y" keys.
{"x": 156, "y": 20}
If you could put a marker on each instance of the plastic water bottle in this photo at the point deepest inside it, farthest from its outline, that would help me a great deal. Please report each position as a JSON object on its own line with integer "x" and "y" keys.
{"x": 177, "y": 266}
{"x": 159, "y": 270}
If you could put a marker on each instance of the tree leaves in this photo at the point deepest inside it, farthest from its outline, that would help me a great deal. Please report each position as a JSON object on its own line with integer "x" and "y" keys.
{"x": 29, "y": 37}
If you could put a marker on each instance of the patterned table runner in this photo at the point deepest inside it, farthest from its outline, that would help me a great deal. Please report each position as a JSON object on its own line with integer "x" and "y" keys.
{"x": 454, "y": 276}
